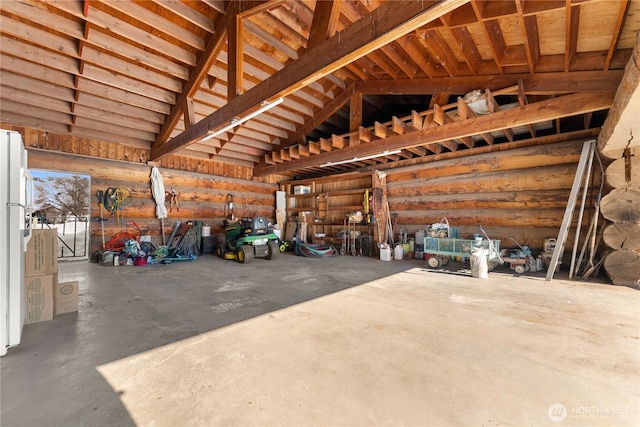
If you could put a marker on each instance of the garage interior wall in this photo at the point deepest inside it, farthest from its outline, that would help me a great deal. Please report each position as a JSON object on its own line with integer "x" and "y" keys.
{"x": 201, "y": 196}
{"x": 518, "y": 193}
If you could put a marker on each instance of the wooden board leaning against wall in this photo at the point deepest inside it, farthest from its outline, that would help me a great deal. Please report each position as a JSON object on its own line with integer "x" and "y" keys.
{"x": 201, "y": 197}
{"x": 520, "y": 193}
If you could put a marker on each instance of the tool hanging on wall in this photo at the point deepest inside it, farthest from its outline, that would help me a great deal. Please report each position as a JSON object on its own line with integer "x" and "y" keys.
{"x": 366, "y": 206}
{"x": 174, "y": 200}
{"x": 228, "y": 207}
{"x": 115, "y": 199}
{"x": 102, "y": 219}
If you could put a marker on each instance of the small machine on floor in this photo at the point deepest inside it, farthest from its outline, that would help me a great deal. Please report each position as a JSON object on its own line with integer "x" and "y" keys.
{"x": 248, "y": 238}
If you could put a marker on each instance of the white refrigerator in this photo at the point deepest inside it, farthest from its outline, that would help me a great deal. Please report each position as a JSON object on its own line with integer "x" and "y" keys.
{"x": 15, "y": 231}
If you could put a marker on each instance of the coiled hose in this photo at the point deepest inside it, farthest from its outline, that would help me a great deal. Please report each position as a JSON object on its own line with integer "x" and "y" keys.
{"x": 315, "y": 251}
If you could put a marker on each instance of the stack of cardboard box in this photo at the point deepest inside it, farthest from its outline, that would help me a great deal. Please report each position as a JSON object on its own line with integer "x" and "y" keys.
{"x": 45, "y": 297}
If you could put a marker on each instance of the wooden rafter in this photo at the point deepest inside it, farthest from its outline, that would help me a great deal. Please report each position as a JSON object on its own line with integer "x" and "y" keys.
{"x": 199, "y": 73}
{"x": 571, "y": 37}
{"x": 537, "y": 84}
{"x": 620, "y": 20}
{"x": 529, "y": 26}
{"x": 412, "y": 47}
{"x": 438, "y": 48}
{"x": 564, "y": 106}
{"x": 320, "y": 116}
{"x": 325, "y": 21}
{"x": 470, "y": 51}
{"x": 355, "y": 111}
{"x": 235, "y": 53}
{"x": 393, "y": 20}
{"x": 492, "y": 32}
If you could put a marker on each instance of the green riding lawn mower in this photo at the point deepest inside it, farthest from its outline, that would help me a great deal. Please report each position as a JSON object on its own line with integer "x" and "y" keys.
{"x": 248, "y": 238}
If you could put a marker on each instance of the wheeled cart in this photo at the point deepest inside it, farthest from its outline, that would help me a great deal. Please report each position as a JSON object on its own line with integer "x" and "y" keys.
{"x": 437, "y": 250}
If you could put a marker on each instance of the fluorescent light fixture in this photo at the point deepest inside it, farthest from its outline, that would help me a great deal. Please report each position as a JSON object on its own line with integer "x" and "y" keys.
{"x": 357, "y": 159}
{"x": 237, "y": 122}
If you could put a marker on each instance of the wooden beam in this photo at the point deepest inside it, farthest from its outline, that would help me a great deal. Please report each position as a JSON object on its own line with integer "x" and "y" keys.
{"x": 437, "y": 46}
{"x": 320, "y": 116}
{"x": 564, "y": 106}
{"x": 325, "y": 20}
{"x": 189, "y": 114}
{"x": 622, "y": 121}
{"x": 466, "y": 113}
{"x": 529, "y": 25}
{"x": 571, "y": 37}
{"x": 493, "y": 107}
{"x": 405, "y": 64}
{"x": 522, "y": 99}
{"x": 198, "y": 74}
{"x": 235, "y": 55}
{"x": 441, "y": 117}
{"x": 537, "y": 84}
{"x": 440, "y": 98}
{"x": 365, "y": 135}
{"x": 252, "y": 7}
{"x": 388, "y": 22}
{"x": 417, "y": 120}
{"x": 413, "y": 48}
{"x": 622, "y": 16}
{"x": 355, "y": 111}
{"x": 381, "y": 131}
{"x": 471, "y": 54}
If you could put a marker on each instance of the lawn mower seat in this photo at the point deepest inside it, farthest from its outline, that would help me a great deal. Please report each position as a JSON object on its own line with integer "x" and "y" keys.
{"x": 259, "y": 226}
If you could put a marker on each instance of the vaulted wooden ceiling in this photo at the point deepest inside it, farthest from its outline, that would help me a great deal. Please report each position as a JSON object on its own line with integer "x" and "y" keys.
{"x": 363, "y": 82}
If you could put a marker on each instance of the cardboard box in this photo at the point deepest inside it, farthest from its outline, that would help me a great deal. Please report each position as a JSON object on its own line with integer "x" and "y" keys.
{"x": 41, "y": 257}
{"x": 39, "y": 296}
{"x": 65, "y": 298}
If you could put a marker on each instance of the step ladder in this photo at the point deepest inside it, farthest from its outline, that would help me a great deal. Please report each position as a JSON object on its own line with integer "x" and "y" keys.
{"x": 584, "y": 167}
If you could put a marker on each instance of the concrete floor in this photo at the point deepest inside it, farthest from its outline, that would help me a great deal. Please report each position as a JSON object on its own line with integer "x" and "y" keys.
{"x": 326, "y": 342}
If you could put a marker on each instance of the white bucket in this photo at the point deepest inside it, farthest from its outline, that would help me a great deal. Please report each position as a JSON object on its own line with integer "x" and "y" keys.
{"x": 206, "y": 231}
{"x": 398, "y": 252}
{"x": 385, "y": 254}
{"x": 479, "y": 266}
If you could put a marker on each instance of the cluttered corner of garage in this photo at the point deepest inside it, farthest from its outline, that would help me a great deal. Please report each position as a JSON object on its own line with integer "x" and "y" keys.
{"x": 131, "y": 245}
{"x": 326, "y": 217}
{"x": 440, "y": 244}
{"x": 45, "y": 297}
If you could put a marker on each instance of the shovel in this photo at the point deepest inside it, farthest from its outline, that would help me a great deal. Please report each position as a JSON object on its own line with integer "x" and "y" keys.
{"x": 592, "y": 245}
{"x": 100, "y": 195}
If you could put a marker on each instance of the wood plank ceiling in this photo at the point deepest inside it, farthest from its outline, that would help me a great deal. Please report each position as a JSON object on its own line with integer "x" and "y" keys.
{"x": 364, "y": 82}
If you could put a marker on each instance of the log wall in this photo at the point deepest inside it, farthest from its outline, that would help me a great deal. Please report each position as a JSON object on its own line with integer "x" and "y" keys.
{"x": 520, "y": 193}
{"x": 201, "y": 196}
